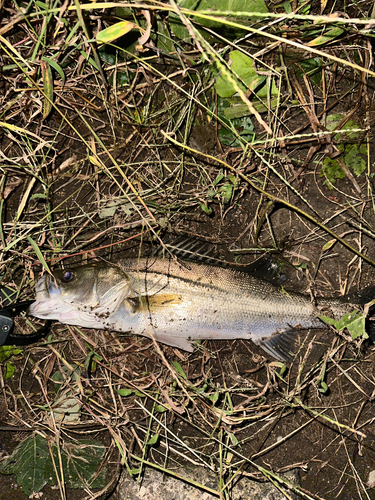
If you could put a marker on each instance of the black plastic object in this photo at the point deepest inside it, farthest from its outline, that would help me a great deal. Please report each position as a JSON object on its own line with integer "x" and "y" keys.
{"x": 7, "y": 337}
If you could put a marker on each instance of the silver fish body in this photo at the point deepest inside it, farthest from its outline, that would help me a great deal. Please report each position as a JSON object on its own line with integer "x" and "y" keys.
{"x": 175, "y": 302}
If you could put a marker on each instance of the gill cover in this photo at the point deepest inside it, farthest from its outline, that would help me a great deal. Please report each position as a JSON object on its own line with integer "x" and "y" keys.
{"x": 80, "y": 293}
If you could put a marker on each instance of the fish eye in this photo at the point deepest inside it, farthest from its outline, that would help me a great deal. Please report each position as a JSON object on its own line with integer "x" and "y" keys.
{"x": 68, "y": 276}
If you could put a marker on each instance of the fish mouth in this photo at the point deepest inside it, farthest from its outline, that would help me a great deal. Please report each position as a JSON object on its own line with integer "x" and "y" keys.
{"x": 41, "y": 288}
{"x": 47, "y": 300}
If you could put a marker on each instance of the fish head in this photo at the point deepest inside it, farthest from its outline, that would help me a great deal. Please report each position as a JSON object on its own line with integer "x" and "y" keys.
{"x": 81, "y": 296}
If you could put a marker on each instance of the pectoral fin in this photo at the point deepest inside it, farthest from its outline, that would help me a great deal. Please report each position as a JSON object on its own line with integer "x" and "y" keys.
{"x": 153, "y": 303}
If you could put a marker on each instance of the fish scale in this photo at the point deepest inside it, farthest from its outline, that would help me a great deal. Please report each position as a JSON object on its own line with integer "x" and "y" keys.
{"x": 175, "y": 302}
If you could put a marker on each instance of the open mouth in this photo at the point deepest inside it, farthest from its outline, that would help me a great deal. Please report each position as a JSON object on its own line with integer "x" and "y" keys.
{"x": 41, "y": 288}
{"x": 47, "y": 299}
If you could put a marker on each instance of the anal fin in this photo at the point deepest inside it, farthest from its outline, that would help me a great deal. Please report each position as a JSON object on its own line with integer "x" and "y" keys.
{"x": 280, "y": 345}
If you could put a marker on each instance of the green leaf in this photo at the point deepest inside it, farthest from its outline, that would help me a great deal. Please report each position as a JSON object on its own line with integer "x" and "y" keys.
{"x": 355, "y": 322}
{"x": 354, "y": 154}
{"x": 323, "y": 387}
{"x": 332, "y": 171}
{"x": 9, "y": 370}
{"x": 328, "y": 245}
{"x": 160, "y": 408}
{"x": 8, "y": 351}
{"x": 38, "y": 196}
{"x": 242, "y": 67}
{"x": 140, "y": 394}
{"x": 153, "y": 440}
{"x": 354, "y": 159}
{"x": 124, "y": 392}
{"x": 31, "y": 463}
{"x": 66, "y": 408}
{"x": 179, "y": 369}
{"x": 58, "y": 70}
{"x": 27, "y": 462}
{"x": 244, "y": 6}
{"x": 47, "y": 87}
{"x": 244, "y": 128}
{"x": 215, "y": 397}
{"x": 227, "y": 191}
{"x": 328, "y": 36}
{"x": 162, "y": 38}
{"x": 206, "y": 208}
{"x": 92, "y": 358}
{"x": 312, "y": 68}
{"x": 38, "y": 253}
{"x": 81, "y": 460}
{"x": 287, "y": 7}
{"x": 115, "y": 31}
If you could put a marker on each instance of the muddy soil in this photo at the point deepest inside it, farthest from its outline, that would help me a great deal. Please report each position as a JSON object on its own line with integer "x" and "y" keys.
{"x": 239, "y": 400}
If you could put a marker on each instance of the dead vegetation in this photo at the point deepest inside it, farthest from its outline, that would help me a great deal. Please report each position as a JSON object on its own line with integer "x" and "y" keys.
{"x": 255, "y": 134}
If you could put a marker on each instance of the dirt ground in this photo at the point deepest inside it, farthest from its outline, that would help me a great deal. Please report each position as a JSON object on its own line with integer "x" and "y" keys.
{"x": 234, "y": 410}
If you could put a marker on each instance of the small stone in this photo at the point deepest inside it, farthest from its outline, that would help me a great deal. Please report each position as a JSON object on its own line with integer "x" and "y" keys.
{"x": 371, "y": 479}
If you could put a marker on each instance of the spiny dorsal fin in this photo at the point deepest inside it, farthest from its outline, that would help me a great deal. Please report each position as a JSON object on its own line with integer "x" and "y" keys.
{"x": 188, "y": 248}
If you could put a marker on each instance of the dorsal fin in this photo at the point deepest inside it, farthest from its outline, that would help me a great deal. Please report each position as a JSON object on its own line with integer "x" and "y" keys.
{"x": 188, "y": 248}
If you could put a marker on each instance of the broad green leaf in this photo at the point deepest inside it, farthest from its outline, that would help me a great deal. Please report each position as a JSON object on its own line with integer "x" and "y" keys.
{"x": 162, "y": 37}
{"x": 66, "y": 408}
{"x": 242, "y": 67}
{"x": 353, "y": 321}
{"x": 353, "y": 155}
{"x": 109, "y": 209}
{"x": 354, "y": 158}
{"x": 27, "y": 462}
{"x": 81, "y": 460}
{"x": 245, "y": 131}
{"x": 244, "y": 6}
{"x": 312, "y": 68}
{"x": 248, "y": 79}
{"x": 333, "y": 171}
{"x": 32, "y": 464}
{"x": 115, "y": 31}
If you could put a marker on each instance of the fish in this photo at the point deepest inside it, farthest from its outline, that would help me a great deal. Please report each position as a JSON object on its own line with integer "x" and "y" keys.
{"x": 176, "y": 302}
